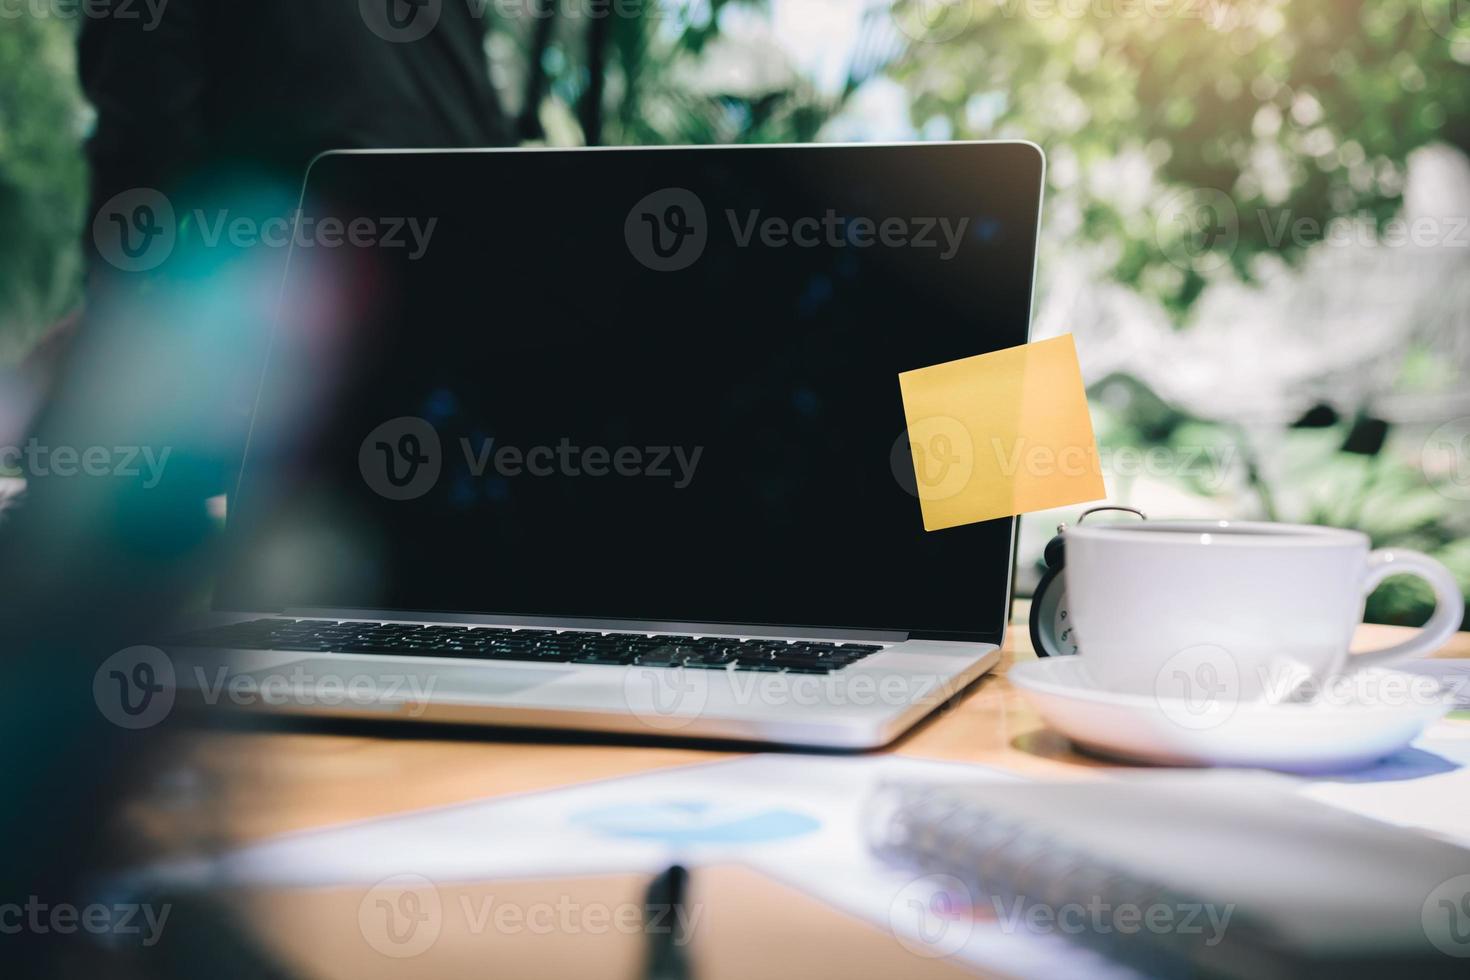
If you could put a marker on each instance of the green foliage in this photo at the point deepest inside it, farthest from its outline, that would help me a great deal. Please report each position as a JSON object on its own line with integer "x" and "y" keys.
{"x": 42, "y": 179}
{"x": 658, "y": 90}
{"x": 1291, "y": 109}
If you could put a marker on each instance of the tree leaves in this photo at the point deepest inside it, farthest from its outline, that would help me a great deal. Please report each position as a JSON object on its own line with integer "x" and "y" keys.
{"x": 42, "y": 179}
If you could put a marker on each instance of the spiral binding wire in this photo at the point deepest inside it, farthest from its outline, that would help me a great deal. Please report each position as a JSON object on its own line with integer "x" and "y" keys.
{"x": 939, "y": 829}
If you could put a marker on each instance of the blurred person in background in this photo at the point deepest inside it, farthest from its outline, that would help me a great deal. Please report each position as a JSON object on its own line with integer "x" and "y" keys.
{"x": 206, "y": 112}
{"x": 214, "y": 112}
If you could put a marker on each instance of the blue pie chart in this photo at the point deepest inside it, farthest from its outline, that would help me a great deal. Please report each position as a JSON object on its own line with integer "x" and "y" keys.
{"x": 696, "y": 822}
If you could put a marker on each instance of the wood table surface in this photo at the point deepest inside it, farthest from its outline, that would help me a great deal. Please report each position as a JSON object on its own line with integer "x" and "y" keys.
{"x": 243, "y": 785}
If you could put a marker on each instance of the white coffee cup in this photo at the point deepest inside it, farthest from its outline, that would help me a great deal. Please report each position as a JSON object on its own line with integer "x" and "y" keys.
{"x": 1238, "y": 603}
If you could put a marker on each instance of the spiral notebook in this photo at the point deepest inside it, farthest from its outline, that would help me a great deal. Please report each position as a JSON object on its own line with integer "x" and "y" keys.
{"x": 1184, "y": 876}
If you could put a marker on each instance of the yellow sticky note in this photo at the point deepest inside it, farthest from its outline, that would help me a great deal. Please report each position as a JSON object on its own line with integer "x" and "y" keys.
{"x": 1001, "y": 434}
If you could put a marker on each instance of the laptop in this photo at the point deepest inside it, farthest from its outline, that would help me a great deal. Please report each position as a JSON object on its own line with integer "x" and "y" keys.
{"x": 611, "y": 440}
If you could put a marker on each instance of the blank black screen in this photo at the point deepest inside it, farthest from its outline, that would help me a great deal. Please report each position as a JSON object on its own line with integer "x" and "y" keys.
{"x": 532, "y": 326}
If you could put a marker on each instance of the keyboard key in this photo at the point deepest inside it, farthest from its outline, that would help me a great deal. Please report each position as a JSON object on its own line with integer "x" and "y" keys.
{"x": 605, "y": 659}
{"x": 720, "y": 657}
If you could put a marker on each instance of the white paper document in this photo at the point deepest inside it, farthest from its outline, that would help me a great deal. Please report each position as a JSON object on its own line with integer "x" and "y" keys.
{"x": 1425, "y": 787}
{"x": 795, "y": 818}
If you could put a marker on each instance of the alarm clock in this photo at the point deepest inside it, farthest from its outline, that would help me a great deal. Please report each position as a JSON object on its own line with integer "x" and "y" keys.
{"x": 1052, "y": 631}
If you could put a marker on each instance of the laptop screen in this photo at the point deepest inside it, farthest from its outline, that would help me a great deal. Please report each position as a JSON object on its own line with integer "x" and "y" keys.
{"x": 643, "y": 385}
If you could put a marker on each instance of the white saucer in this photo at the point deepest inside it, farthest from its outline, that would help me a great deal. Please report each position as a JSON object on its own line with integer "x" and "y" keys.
{"x": 1380, "y": 713}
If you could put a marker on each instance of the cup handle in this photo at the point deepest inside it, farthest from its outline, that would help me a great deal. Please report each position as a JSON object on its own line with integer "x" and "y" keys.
{"x": 1449, "y": 605}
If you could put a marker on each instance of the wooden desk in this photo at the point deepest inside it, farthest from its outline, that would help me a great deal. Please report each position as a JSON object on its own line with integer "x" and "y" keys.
{"x": 246, "y": 785}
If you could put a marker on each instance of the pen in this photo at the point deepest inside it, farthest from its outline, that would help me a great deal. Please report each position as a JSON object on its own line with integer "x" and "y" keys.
{"x": 663, "y": 916}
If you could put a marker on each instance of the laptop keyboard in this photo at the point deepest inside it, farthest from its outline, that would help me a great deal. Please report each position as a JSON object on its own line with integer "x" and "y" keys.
{"x": 533, "y": 645}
